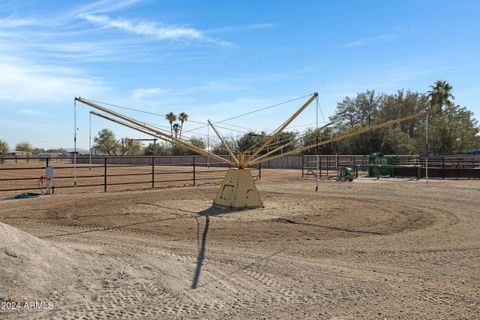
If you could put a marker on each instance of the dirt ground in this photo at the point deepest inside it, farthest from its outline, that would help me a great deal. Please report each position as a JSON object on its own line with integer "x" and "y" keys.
{"x": 387, "y": 249}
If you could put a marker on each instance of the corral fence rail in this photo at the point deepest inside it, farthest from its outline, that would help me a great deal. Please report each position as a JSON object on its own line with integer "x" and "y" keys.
{"x": 110, "y": 172}
{"x": 439, "y": 166}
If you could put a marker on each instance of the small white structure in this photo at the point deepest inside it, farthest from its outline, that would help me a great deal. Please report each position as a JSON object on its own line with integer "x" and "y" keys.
{"x": 48, "y": 179}
{"x": 17, "y": 153}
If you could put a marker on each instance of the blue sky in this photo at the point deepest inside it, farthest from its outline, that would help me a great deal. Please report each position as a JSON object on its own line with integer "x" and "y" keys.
{"x": 215, "y": 59}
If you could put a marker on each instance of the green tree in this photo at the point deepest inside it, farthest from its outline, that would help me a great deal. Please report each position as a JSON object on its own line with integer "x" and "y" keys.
{"x": 197, "y": 142}
{"x": 452, "y": 128}
{"x": 105, "y": 142}
{"x": 314, "y": 136}
{"x": 440, "y": 96}
{"x": 176, "y": 129}
{"x": 249, "y": 140}
{"x": 171, "y": 118}
{"x": 24, "y": 146}
{"x": 130, "y": 147}
{"x": 182, "y": 117}
{"x": 3, "y": 147}
{"x": 252, "y": 141}
{"x": 220, "y": 149}
{"x": 283, "y": 138}
{"x": 395, "y": 141}
{"x": 158, "y": 149}
{"x": 456, "y": 131}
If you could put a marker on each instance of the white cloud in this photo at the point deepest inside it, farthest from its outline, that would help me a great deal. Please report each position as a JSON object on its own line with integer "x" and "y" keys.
{"x": 21, "y": 80}
{"x": 30, "y": 112}
{"x": 152, "y": 29}
{"x": 12, "y": 22}
{"x": 104, "y": 6}
{"x": 384, "y": 38}
{"x": 142, "y": 93}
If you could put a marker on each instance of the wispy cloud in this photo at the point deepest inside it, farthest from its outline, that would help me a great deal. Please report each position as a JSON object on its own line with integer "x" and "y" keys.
{"x": 22, "y": 80}
{"x": 30, "y": 112}
{"x": 384, "y": 38}
{"x": 148, "y": 28}
{"x": 143, "y": 93}
{"x": 103, "y": 6}
{"x": 248, "y": 27}
{"x": 12, "y": 22}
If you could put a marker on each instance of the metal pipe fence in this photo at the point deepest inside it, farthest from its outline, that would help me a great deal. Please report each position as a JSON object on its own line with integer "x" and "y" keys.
{"x": 448, "y": 166}
{"x": 110, "y": 173}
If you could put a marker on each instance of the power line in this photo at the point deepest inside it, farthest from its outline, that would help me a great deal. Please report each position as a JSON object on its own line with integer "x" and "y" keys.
{"x": 126, "y": 108}
{"x": 255, "y": 111}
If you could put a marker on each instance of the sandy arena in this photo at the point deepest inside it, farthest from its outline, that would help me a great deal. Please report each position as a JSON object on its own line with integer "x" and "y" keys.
{"x": 388, "y": 249}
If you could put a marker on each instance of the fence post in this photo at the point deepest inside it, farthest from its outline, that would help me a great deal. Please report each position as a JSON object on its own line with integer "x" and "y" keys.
{"x": 443, "y": 167}
{"x": 260, "y": 171}
{"x": 194, "y": 170}
{"x": 320, "y": 167}
{"x": 153, "y": 172}
{"x": 105, "y": 175}
{"x": 328, "y": 164}
{"x": 303, "y": 164}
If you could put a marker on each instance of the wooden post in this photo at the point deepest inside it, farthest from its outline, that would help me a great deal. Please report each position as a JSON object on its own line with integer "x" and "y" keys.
{"x": 105, "y": 175}
{"x": 194, "y": 171}
{"x": 259, "y": 171}
{"x": 153, "y": 172}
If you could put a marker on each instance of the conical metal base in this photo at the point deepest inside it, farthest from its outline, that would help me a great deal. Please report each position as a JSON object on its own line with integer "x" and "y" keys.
{"x": 238, "y": 191}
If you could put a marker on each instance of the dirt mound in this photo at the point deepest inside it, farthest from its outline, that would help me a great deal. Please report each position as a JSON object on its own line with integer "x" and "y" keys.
{"x": 29, "y": 265}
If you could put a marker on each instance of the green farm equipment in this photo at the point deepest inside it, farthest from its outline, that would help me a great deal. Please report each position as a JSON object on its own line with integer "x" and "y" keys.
{"x": 380, "y": 165}
{"x": 346, "y": 174}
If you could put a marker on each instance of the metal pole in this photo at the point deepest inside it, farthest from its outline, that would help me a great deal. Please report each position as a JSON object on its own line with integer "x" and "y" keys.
{"x": 208, "y": 146}
{"x": 320, "y": 165}
{"x": 426, "y": 149}
{"x": 303, "y": 165}
{"x": 443, "y": 167}
{"x": 75, "y": 144}
{"x": 194, "y": 170}
{"x": 153, "y": 172}
{"x": 90, "y": 140}
{"x": 318, "y": 157}
{"x": 105, "y": 175}
{"x": 328, "y": 165}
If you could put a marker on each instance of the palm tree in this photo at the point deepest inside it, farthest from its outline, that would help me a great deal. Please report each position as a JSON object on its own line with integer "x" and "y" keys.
{"x": 171, "y": 118}
{"x": 183, "y": 117}
{"x": 440, "y": 95}
{"x": 176, "y": 129}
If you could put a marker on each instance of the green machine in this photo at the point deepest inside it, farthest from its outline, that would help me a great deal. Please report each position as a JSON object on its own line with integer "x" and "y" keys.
{"x": 378, "y": 159}
{"x": 346, "y": 174}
